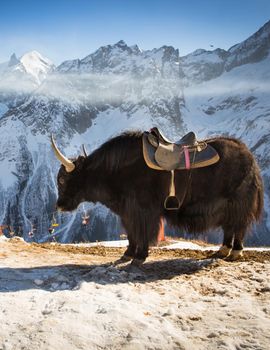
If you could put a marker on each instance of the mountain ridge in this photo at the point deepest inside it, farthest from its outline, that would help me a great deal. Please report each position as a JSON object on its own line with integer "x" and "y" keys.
{"x": 115, "y": 88}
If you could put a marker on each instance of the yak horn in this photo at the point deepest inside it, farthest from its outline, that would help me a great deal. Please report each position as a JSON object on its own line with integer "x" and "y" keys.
{"x": 65, "y": 161}
{"x": 84, "y": 151}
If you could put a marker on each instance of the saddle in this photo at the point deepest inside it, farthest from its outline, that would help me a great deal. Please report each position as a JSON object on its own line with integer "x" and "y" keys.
{"x": 185, "y": 154}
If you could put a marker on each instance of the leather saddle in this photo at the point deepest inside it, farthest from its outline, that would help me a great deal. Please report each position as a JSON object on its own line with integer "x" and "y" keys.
{"x": 187, "y": 153}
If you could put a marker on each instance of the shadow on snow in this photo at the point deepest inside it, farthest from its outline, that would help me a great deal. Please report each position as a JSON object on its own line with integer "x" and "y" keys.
{"x": 69, "y": 277}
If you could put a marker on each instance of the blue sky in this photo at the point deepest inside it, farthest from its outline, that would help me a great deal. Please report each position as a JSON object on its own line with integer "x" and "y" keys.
{"x": 67, "y": 29}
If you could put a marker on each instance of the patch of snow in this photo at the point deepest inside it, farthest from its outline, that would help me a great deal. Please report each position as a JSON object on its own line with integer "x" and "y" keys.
{"x": 193, "y": 246}
{"x": 3, "y": 109}
{"x": 91, "y": 304}
{"x": 171, "y": 245}
{"x": 113, "y": 244}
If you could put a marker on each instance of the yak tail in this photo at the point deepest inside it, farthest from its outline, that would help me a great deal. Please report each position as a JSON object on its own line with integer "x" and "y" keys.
{"x": 260, "y": 203}
{"x": 260, "y": 200}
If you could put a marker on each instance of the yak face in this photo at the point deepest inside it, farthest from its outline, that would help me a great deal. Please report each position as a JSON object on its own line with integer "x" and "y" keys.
{"x": 70, "y": 186}
{"x": 70, "y": 180}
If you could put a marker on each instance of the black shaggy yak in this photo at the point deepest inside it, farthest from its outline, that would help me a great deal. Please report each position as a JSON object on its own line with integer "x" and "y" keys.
{"x": 228, "y": 194}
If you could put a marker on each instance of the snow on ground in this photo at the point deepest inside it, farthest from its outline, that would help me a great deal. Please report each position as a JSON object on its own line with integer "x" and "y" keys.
{"x": 72, "y": 297}
{"x": 168, "y": 244}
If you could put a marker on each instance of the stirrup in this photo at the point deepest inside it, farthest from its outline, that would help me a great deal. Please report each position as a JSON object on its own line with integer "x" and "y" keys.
{"x": 171, "y": 203}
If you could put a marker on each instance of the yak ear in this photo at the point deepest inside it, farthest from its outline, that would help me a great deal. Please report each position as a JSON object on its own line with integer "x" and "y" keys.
{"x": 84, "y": 151}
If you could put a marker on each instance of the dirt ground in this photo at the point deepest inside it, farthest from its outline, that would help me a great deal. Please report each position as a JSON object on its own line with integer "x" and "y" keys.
{"x": 83, "y": 254}
{"x": 58, "y": 296}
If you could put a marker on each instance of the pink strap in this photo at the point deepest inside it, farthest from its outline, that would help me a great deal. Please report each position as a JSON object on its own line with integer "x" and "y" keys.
{"x": 187, "y": 159}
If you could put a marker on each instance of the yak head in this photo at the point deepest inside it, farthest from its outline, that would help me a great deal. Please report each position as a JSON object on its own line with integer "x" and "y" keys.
{"x": 70, "y": 180}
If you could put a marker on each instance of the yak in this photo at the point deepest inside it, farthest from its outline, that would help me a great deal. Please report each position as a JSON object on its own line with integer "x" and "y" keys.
{"x": 226, "y": 195}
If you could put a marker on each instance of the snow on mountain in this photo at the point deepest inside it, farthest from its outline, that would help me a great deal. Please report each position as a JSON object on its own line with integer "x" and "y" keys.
{"x": 3, "y": 67}
{"x": 24, "y": 74}
{"x": 119, "y": 87}
{"x": 36, "y": 65}
{"x": 254, "y": 49}
{"x": 122, "y": 59}
{"x": 202, "y": 65}
{"x": 3, "y": 109}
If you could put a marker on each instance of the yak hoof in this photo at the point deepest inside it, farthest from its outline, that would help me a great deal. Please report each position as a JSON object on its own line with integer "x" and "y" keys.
{"x": 123, "y": 259}
{"x": 222, "y": 253}
{"x": 235, "y": 255}
{"x": 137, "y": 262}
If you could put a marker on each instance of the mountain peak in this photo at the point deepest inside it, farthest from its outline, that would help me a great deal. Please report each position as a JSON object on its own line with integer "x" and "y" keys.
{"x": 13, "y": 60}
{"x": 36, "y": 65}
{"x": 31, "y": 68}
{"x": 121, "y": 43}
{"x": 34, "y": 56}
{"x": 135, "y": 48}
{"x": 254, "y": 49}
{"x": 265, "y": 27}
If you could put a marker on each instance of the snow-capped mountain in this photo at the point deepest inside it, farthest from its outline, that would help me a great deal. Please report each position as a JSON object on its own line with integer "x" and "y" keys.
{"x": 122, "y": 59}
{"x": 254, "y": 49}
{"x": 19, "y": 77}
{"x": 202, "y": 65}
{"x": 31, "y": 66}
{"x": 119, "y": 87}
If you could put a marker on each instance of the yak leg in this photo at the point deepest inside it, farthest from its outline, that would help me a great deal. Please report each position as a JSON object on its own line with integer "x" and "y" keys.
{"x": 141, "y": 254}
{"x": 149, "y": 233}
{"x": 142, "y": 227}
{"x": 237, "y": 250}
{"x": 131, "y": 250}
{"x": 129, "y": 253}
{"x": 227, "y": 245}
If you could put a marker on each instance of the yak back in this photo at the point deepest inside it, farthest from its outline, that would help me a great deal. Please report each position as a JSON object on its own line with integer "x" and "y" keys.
{"x": 118, "y": 152}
